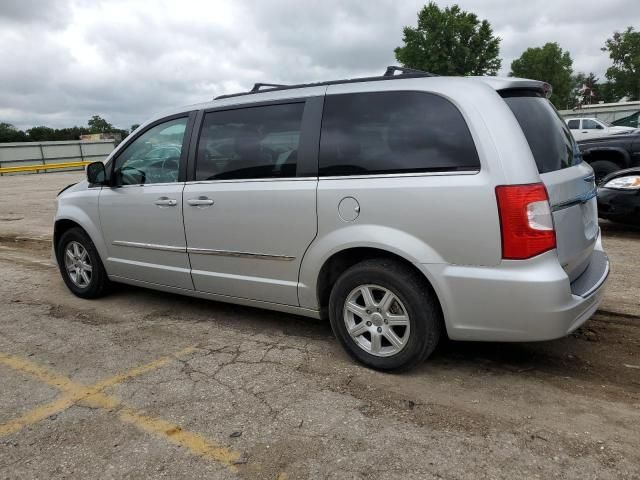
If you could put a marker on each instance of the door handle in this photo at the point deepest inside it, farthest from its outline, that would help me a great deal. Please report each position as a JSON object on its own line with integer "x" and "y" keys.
{"x": 166, "y": 202}
{"x": 200, "y": 202}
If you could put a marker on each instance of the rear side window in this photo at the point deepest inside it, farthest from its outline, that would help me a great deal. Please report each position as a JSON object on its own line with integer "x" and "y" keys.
{"x": 549, "y": 138}
{"x": 393, "y": 132}
{"x": 254, "y": 142}
{"x": 574, "y": 124}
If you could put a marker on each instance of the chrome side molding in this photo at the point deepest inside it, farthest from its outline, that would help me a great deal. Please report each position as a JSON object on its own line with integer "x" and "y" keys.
{"x": 203, "y": 251}
{"x": 150, "y": 246}
{"x": 232, "y": 253}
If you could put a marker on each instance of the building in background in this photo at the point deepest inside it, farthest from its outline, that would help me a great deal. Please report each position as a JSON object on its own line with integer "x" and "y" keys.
{"x": 117, "y": 136}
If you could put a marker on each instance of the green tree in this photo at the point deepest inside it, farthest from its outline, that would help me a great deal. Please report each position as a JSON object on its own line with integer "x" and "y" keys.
{"x": 134, "y": 126}
{"x": 550, "y": 64}
{"x": 624, "y": 74}
{"x": 41, "y": 134}
{"x": 97, "y": 124}
{"x": 450, "y": 42}
{"x": 607, "y": 94}
{"x": 9, "y": 133}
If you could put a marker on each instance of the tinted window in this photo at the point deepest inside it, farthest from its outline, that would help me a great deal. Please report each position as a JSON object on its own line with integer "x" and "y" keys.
{"x": 255, "y": 142}
{"x": 393, "y": 132}
{"x": 589, "y": 124}
{"x": 153, "y": 157}
{"x": 574, "y": 124}
{"x": 549, "y": 138}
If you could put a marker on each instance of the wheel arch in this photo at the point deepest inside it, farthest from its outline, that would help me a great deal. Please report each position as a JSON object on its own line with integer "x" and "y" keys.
{"x": 619, "y": 156}
{"x": 67, "y": 222}
{"x": 339, "y": 261}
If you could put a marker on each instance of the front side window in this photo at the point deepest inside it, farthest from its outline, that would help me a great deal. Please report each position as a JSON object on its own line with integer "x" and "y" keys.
{"x": 393, "y": 132}
{"x": 252, "y": 142}
{"x": 153, "y": 157}
{"x": 574, "y": 124}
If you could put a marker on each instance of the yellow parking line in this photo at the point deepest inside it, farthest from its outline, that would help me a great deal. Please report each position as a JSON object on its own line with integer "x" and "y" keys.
{"x": 36, "y": 415}
{"x": 194, "y": 442}
{"x": 73, "y": 393}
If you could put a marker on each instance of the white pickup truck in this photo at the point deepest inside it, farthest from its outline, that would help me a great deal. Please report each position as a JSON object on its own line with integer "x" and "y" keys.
{"x": 585, "y": 128}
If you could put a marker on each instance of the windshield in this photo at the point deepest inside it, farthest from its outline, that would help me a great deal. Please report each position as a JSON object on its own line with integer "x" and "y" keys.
{"x": 549, "y": 138}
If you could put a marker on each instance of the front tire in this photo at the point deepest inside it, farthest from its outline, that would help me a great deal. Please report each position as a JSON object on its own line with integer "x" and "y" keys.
{"x": 385, "y": 315}
{"x": 602, "y": 168}
{"x": 80, "y": 265}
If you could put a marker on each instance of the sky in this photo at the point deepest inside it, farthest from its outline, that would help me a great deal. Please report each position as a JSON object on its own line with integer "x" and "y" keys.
{"x": 62, "y": 61}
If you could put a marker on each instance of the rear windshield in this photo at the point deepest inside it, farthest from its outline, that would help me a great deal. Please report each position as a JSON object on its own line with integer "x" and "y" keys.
{"x": 549, "y": 138}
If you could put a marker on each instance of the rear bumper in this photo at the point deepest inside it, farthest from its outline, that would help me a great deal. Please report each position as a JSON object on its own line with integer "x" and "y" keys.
{"x": 518, "y": 301}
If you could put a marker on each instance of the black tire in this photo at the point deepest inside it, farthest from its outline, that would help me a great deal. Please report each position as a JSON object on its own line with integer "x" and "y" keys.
{"x": 99, "y": 283}
{"x": 418, "y": 299}
{"x": 602, "y": 168}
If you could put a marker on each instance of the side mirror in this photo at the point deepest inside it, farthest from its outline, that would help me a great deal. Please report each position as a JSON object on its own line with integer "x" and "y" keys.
{"x": 96, "y": 173}
{"x": 599, "y": 127}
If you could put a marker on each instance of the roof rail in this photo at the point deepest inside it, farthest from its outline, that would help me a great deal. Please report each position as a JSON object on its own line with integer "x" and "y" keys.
{"x": 392, "y": 69}
{"x": 389, "y": 74}
{"x": 258, "y": 86}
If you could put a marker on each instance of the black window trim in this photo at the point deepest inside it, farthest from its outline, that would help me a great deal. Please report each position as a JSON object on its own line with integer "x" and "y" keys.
{"x": 309, "y": 146}
{"x": 427, "y": 172}
{"x": 184, "y": 154}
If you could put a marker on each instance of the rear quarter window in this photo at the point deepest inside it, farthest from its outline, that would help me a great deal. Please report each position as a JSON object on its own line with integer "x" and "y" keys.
{"x": 393, "y": 132}
{"x": 549, "y": 137}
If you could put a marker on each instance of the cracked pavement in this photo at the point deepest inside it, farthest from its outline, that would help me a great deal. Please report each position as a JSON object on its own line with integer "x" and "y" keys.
{"x": 278, "y": 392}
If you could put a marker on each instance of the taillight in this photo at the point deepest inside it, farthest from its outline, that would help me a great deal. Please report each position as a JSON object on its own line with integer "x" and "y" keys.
{"x": 526, "y": 223}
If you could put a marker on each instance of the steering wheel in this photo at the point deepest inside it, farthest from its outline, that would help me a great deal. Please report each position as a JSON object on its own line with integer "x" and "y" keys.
{"x": 129, "y": 179}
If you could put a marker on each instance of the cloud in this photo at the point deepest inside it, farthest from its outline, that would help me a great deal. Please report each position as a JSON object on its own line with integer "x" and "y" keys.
{"x": 63, "y": 61}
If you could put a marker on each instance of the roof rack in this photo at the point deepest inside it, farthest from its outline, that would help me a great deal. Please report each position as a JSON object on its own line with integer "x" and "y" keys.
{"x": 392, "y": 69}
{"x": 389, "y": 74}
{"x": 257, "y": 86}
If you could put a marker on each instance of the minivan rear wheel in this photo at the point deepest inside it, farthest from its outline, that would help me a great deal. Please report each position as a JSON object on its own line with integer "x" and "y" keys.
{"x": 385, "y": 315}
{"x": 80, "y": 265}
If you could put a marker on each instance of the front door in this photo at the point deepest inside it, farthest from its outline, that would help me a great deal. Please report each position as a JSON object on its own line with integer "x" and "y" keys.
{"x": 141, "y": 213}
{"x": 251, "y": 212}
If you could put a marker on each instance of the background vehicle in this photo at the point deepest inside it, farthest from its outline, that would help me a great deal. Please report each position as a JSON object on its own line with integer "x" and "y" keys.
{"x": 610, "y": 154}
{"x": 587, "y": 128}
{"x": 400, "y": 207}
{"x": 619, "y": 197}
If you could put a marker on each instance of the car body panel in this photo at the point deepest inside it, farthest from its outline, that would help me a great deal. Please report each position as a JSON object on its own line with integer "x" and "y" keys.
{"x": 145, "y": 241}
{"x": 264, "y": 242}
{"x": 620, "y": 204}
{"x": 251, "y": 241}
{"x": 623, "y": 150}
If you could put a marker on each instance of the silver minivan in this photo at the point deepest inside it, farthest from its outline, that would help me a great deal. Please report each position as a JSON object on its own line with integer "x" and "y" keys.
{"x": 403, "y": 208}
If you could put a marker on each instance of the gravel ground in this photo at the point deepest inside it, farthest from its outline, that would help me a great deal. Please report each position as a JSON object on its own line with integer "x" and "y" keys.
{"x": 143, "y": 384}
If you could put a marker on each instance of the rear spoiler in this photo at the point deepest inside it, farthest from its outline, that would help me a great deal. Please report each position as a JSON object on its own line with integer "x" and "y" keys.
{"x": 512, "y": 86}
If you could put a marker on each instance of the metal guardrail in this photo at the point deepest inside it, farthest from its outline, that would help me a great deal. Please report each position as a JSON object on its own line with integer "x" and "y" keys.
{"x": 46, "y": 166}
{"x": 51, "y": 156}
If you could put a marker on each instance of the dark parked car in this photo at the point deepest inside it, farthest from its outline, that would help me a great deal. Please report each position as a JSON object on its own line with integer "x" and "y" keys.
{"x": 619, "y": 196}
{"x": 612, "y": 153}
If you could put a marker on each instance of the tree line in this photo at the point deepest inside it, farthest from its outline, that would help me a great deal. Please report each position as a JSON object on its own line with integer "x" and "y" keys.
{"x": 451, "y": 41}
{"x": 96, "y": 124}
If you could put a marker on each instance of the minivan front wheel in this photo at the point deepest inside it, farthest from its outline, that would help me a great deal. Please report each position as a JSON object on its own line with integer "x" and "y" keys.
{"x": 80, "y": 264}
{"x": 385, "y": 315}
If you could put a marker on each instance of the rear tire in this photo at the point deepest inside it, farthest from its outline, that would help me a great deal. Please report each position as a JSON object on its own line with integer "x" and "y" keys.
{"x": 80, "y": 265}
{"x": 602, "y": 168}
{"x": 399, "y": 325}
